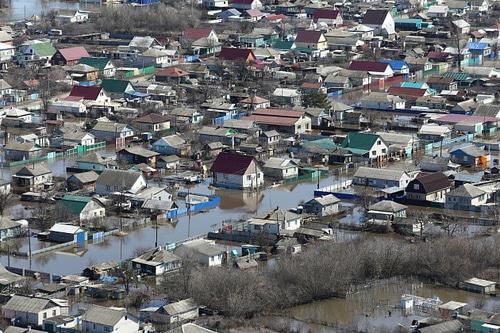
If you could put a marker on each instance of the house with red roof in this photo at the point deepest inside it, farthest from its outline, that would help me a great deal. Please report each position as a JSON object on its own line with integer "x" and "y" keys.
{"x": 329, "y": 16}
{"x": 69, "y": 56}
{"x": 88, "y": 93}
{"x": 282, "y": 120}
{"x": 309, "y": 41}
{"x": 375, "y": 69}
{"x": 239, "y": 171}
{"x": 201, "y": 40}
{"x": 236, "y": 54}
{"x": 172, "y": 74}
{"x": 246, "y": 4}
{"x": 408, "y": 93}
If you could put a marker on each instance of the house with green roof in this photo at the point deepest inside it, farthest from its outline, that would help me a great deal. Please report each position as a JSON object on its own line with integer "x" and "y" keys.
{"x": 83, "y": 208}
{"x": 35, "y": 51}
{"x": 117, "y": 88}
{"x": 103, "y": 64}
{"x": 366, "y": 146}
{"x": 463, "y": 79}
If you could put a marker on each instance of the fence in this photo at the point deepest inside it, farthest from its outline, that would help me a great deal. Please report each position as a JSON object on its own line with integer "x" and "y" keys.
{"x": 211, "y": 203}
{"x": 221, "y": 120}
{"x": 51, "y": 155}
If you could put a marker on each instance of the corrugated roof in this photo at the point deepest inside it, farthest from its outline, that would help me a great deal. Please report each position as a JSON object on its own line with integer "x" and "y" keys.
{"x": 103, "y": 315}
{"x": 308, "y": 36}
{"x": 363, "y": 141}
{"x": 375, "y": 16}
{"x": 73, "y": 53}
{"x": 96, "y": 62}
{"x": 367, "y": 66}
{"x": 377, "y": 173}
{"x": 230, "y": 53}
{"x": 28, "y": 304}
{"x": 231, "y": 163}
{"x": 193, "y": 34}
{"x": 90, "y": 93}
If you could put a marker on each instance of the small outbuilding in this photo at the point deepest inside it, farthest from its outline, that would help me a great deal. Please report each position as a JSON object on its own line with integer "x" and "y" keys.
{"x": 479, "y": 286}
{"x": 323, "y": 206}
{"x": 64, "y": 233}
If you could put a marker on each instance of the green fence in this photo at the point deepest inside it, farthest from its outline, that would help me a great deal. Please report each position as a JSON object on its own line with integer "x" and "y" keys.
{"x": 78, "y": 150}
{"x": 313, "y": 176}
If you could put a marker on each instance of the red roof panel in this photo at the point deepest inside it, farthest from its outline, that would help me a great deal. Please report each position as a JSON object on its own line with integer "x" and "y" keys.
{"x": 231, "y": 163}
{"x": 74, "y": 53}
{"x": 85, "y": 92}
{"x": 367, "y": 66}
{"x": 193, "y": 34}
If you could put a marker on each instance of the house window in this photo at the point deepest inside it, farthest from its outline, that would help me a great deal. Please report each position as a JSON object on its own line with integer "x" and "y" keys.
{"x": 384, "y": 151}
{"x": 54, "y": 312}
{"x": 45, "y": 315}
{"x": 374, "y": 152}
{"x": 108, "y": 188}
{"x": 416, "y": 187}
{"x": 379, "y": 142}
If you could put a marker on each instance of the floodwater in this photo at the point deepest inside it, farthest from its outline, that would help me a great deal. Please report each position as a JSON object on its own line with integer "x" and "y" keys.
{"x": 375, "y": 309}
{"x": 234, "y": 205}
{"x": 20, "y": 9}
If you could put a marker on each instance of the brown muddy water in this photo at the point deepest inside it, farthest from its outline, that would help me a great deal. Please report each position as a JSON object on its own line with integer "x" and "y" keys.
{"x": 373, "y": 309}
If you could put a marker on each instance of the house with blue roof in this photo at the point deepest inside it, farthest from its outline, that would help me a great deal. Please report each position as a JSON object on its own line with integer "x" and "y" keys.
{"x": 416, "y": 85}
{"x": 482, "y": 49}
{"x": 399, "y": 67}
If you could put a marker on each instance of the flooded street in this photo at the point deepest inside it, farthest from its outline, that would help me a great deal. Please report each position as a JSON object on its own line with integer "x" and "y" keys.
{"x": 20, "y": 9}
{"x": 375, "y": 309}
{"x": 234, "y": 205}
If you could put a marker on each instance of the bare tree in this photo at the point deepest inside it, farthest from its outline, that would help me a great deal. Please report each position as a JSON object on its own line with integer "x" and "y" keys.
{"x": 5, "y": 200}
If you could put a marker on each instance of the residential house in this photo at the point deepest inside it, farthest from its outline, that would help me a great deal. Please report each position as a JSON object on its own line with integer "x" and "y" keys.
{"x": 69, "y": 56}
{"x": 157, "y": 262}
{"x": 281, "y": 120}
{"x": 83, "y": 73}
{"x": 480, "y": 6}
{"x": 172, "y": 313}
{"x": 96, "y": 162}
{"x": 440, "y": 83}
{"x": 255, "y": 102}
{"x": 31, "y": 311}
{"x": 328, "y": 16}
{"x": 172, "y": 75}
{"x": 31, "y": 178}
{"x": 102, "y": 64}
{"x": 462, "y": 26}
{"x": 83, "y": 180}
{"x": 172, "y": 145}
{"x": 322, "y": 206}
{"x": 221, "y": 134}
{"x": 433, "y": 132}
{"x": 100, "y": 319}
{"x": 236, "y": 54}
{"x": 10, "y": 228}
{"x": 88, "y": 93}
{"x": 9, "y": 279}
{"x": 159, "y": 58}
{"x": 287, "y": 96}
{"x": 71, "y": 16}
{"x": 381, "y": 21}
{"x": 465, "y": 197}
{"x": 35, "y": 52}
{"x": 202, "y": 41}
{"x": 311, "y": 42}
{"x": 234, "y": 170}
{"x": 438, "y": 11}
{"x": 377, "y": 70}
{"x": 137, "y": 155}
{"x": 269, "y": 139}
{"x": 185, "y": 116}
{"x": 112, "y": 181}
{"x": 205, "y": 252}
{"x": 77, "y": 108}
{"x": 470, "y": 156}
{"x": 117, "y": 89}
{"x": 275, "y": 222}
{"x": 150, "y": 193}
{"x": 16, "y": 116}
{"x": 84, "y": 207}
{"x": 400, "y": 145}
{"x": 106, "y": 130}
{"x": 376, "y": 177}
{"x": 399, "y": 67}
{"x": 152, "y": 123}
{"x": 246, "y": 4}
{"x": 280, "y": 168}
{"x": 77, "y": 138}
{"x": 7, "y": 52}
{"x": 386, "y": 210}
{"x": 366, "y": 145}
{"x": 15, "y": 151}
{"x": 382, "y": 101}
{"x": 143, "y": 43}
{"x": 431, "y": 187}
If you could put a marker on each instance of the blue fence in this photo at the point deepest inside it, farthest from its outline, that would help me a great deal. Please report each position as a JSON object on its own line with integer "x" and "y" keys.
{"x": 450, "y": 142}
{"x": 213, "y": 202}
{"x": 221, "y": 120}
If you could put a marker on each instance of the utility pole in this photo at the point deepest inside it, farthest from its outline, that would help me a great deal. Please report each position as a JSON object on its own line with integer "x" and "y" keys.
{"x": 188, "y": 206}
{"x": 156, "y": 233}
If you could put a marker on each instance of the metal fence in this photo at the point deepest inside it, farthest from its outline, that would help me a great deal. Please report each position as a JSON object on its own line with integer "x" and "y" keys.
{"x": 78, "y": 150}
{"x": 213, "y": 202}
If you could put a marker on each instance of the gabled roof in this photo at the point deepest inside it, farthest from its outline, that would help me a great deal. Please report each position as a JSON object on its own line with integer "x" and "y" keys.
{"x": 156, "y": 257}
{"x": 115, "y": 86}
{"x": 387, "y": 206}
{"x": 231, "y": 163}
{"x": 375, "y": 16}
{"x": 33, "y": 170}
{"x": 103, "y": 315}
{"x": 73, "y": 53}
{"x": 431, "y": 182}
{"x": 139, "y": 151}
{"x": 466, "y": 191}
{"x": 368, "y": 66}
{"x": 122, "y": 178}
{"x": 401, "y": 91}
{"x": 172, "y": 72}
{"x": 357, "y": 140}
{"x": 326, "y": 13}
{"x": 151, "y": 118}
{"x": 43, "y": 49}
{"x": 180, "y": 307}
{"x": 28, "y": 304}
{"x": 90, "y": 93}
{"x": 232, "y": 53}
{"x": 193, "y": 34}
{"x": 96, "y": 62}
{"x": 74, "y": 203}
{"x": 308, "y": 36}
{"x": 85, "y": 177}
{"x": 378, "y": 173}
